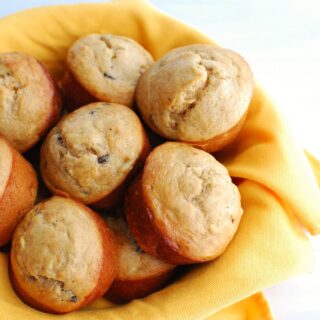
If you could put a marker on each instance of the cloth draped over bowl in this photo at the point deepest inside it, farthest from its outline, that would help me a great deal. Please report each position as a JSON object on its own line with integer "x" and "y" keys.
{"x": 280, "y": 194}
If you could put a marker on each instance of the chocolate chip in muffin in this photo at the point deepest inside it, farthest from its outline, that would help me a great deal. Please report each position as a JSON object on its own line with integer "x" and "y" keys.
{"x": 136, "y": 246}
{"x": 74, "y": 299}
{"x": 59, "y": 139}
{"x": 138, "y": 249}
{"x": 104, "y": 159}
{"x": 106, "y": 75}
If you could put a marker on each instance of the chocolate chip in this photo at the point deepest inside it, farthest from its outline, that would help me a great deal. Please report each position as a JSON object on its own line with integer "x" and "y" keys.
{"x": 152, "y": 120}
{"x": 74, "y": 299}
{"x": 103, "y": 159}
{"x": 92, "y": 112}
{"x": 192, "y": 105}
{"x": 59, "y": 139}
{"x": 138, "y": 249}
{"x": 108, "y": 76}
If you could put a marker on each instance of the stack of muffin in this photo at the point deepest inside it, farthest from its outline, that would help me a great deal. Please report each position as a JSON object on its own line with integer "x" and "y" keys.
{"x": 127, "y": 206}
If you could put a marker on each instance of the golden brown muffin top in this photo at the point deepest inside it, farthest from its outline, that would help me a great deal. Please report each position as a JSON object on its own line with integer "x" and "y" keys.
{"x": 27, "y": 96}
{"x": 57, "y": 253}
{"x": 134, "y": 263}
{"x": 192, "y": 198}
{"x": 195, "y": 93}
{"x": 92, "y": 150}
{"x": 108, "y": 66}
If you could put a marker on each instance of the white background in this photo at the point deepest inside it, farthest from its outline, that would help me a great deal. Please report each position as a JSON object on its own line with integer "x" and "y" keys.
{"x": 281, "y": 41}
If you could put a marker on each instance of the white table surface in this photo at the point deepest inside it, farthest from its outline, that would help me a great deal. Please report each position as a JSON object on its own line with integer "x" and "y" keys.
{"x": 281, "y": 41}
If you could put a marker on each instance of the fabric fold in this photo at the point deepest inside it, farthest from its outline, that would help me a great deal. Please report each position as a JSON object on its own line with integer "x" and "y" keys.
{"x": 265, "y": 152}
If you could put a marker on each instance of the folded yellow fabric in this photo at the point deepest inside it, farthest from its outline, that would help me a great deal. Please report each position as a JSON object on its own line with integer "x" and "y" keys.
{"x": 315, "y": 164}
{"x": 253, "y": 308}
{"x": 279, "y": 190}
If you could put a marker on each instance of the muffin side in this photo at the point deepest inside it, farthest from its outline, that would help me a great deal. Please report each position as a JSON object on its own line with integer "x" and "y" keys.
{"x": 18, "y": 189}
{"x": 139, "y": 274}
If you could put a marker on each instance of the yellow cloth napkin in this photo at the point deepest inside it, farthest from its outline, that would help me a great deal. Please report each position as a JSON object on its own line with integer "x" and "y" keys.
{"x": 279, "y": 191}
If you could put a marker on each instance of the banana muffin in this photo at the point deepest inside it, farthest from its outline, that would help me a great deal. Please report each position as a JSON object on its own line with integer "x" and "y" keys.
{"x": 29, "y": 101}
{"x": 139, "y": 274}
{"x": 198, "y": 94}
{"x": 103, "y": 67}
{"x": 18, "y": 189}
{"x": 184, "y": 207}
{"x": 63, "y": 256}
{"x": 92, "y": 152}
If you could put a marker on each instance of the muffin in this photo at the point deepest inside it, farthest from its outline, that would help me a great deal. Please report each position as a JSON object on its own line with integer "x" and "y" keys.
{"x": 29, "y": 100}
{"x": 92, "y": 153}
{"x": 103, "y": 68}
{"x": 198, "y": 94}
{"x": 18, "y": 189}
{"x": 184, "y": 207}
{"x": 63, "y": 256}
{"x": 139, "y": 274}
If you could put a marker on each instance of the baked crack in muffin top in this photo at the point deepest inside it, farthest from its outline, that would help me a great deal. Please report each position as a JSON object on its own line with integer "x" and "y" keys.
{"x": 195, "y": 93}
